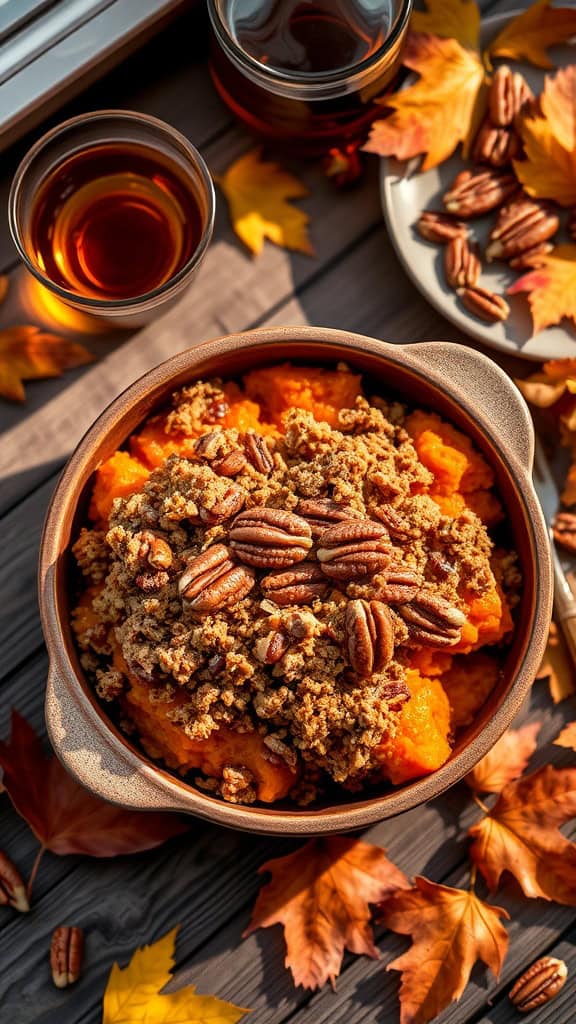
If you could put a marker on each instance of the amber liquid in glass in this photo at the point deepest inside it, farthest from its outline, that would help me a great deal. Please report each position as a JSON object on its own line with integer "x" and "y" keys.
{"x": 114, "y": 221}
{"x": 305, "y": 38}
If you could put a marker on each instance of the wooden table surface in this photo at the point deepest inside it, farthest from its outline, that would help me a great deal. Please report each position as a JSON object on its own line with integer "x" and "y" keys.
{"x": 207, "y": 880}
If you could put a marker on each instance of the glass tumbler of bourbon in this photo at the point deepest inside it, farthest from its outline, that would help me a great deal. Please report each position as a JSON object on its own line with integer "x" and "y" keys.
{"x": 305, "y": 73}
{"x": 113, "y": 211}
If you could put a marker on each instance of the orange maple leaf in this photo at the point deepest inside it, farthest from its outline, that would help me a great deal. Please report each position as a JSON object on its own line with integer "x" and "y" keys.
{"x": 320, "y": 894}
{"x": 549, "y": 170}
{"x": 551, "y": 287}
{"x": 443, "y": 108}
{"x": 567, "y": 738}
{"x": 557, "y": 666}
{"x": 258, "y": 194}
{"x": 451, "y": 929}
{"x": 28, "y": 353}
{"x": 450, "y": 19}
{"x": 528, "y": 36}
{"x": 520, "y": 834}
{"x": 506, "y": 761}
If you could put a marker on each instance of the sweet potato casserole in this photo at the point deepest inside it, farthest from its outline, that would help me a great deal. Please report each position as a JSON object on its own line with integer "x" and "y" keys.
{"x": 288, "y": 586}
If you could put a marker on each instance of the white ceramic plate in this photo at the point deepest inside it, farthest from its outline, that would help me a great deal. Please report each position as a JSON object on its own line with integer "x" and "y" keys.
{"x": 405, "y": 193}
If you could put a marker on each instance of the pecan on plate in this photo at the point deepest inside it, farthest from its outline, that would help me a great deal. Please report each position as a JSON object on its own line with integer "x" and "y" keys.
{"x": 564, "y": 530}
{"x": 270, "y": 538}
{"x": 508, "y": 95}
{"x": 532, "y": 258}
{"x": 298, "y": 584}
{"x": 461, "y": 264}
{"x": 432, "y": 621}
{"x": 212, "y": 580}
{"x": 485, "y": 304}
{"x": 401, "y": 585}
{"x": 473, "y": 193}
{"x": 320, "y": 513}
{"x": 369, "y": 631}
{"x": 495, "y": 146}
{"x": 230, "y": 464}
{"x": 521, "y": 225}
{"x": 439, "y": 227}
{"x": 271, "y": 648}
{"x": 353, "y": 550}
{"x": 258, "y": 452}
{"x": 66, "y": 954}
{"x": 12, "y": 888}
{"x": 539, "y": 984}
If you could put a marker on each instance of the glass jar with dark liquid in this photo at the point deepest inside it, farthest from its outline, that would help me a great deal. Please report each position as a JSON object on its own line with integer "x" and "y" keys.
{"x": 306, "y": 72}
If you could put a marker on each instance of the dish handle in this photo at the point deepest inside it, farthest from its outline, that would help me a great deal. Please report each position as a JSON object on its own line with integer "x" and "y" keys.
{"x": 491, "y": 390}
{"x": 97, "y": 759}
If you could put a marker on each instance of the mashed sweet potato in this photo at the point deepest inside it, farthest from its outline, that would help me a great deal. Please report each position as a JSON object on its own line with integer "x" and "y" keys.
{"x": 421, "y": 742}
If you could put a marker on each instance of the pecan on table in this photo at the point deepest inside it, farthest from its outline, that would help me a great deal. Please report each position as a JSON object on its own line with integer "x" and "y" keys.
{"x": 433, "y": 621}
{"x": 474, "y": 193}
{"x": 66, "y": 955}
{"x": 299, "y": 584}
{"x": 353, "y": 550}
{"x": 212, "y": 580}
{"x": 369, "y": 631}
{"x": 12, "y": 888}
{"x": 270, "y": 538}
{"x": 521, "y": 225}
{"x": 539, "y": 984}
{"x": 320, "y": 513}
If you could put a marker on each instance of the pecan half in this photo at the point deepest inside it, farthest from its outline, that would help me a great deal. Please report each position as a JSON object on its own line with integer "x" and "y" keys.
{"x": 300, "y": 584}
{"x": 208, "y": 446}
{"x": 369, "y": 632}
{"x": 395, "y": 695}
{"x": 439, "y": 227}
{"x": 12, "y": 888}
{"x": 401, "y": 585}
{"x": 66, "y": 955}
{"x": 154, "y": 550}
{"x": 474, "y": 193}
{"x": 485, "y": 304}
{"x": 228, "y": 505}
{"x": 397, "y": 525}
{"x": 230, "y": 464}
{"x": 353, "y": 550}
{"x": 270, "y": 649}
{"x": 539, "y": 984}
{"x": 270, "y": 538}
{"x": 532, "y": 258}
{"x": 520, "y": 226}
{"x": 564, "y": 530}
{"x": 495, "y": 146}
{"x": 151, "y": 582}
{"x": 508, "y": 95}
{"x": 461, "y": 264}
{"x": 212, "y": 580}
{"x": 258, "y": 453}
{"x": 432, "y": 621}
{"x": 320, "y": 513}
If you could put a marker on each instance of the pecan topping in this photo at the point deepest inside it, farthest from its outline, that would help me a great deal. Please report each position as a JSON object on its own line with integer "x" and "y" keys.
{"x": 320, "y": 513}
{"x": 440, "y": 227}
{"x": 440, "y": 566}
{"x": 474, "y": 193}
{"x": 154, "y": 550}
{"x": 432, "y": 621}
{"x": 258, "y": 453}
{"x": 270, "y": 649}
{"x": 396, "y": 524}
{"x": 369, "y": 632}
{"x": 354, "y": 549}
{"x": 531, "y": 258}
{"x": 281, "y": 750}
{"x": 461, "y": 264}
{"x": 66, "y": 954}
{"x": 395, "y": 695}
{"x": 539, "y": 984}
{"x": 228, "y": 505}
{"x": 208, "y": 446}
{"x": 12, "y": 888}
{"x": 485, "y": 304}
{"x": 270, "y": 538}
{"x": 150, "y": 582}
{"x": 564, "y": 530}
{"x": 495, "y": 146}
{"x": 507, "y": 96}
{"x": 520, "y": 226}
{"x": 300, "y": 584}
{"x": 230, "y": 464}
{"x": 401, "y": 585}
{"x": 212, "y": 580}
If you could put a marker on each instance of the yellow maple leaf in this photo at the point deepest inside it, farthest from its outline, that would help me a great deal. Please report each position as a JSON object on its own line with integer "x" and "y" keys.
{"x": 258, "y": 192}
{"x": 133, "y": 993}
{"x": 450, "y": 19}
{"x": 28, "y": 353}
{"x": 528, "y": 36}
{"x": 551, "y": 288}
{"x": 549, "y": 170}
{"x": 443, "y": 108}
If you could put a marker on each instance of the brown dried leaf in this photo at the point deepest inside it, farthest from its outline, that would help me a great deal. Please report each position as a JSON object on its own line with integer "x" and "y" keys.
{"x": 28, "y": 353}
{"x": 506, "y": 761}
{"x": 3, "y": 287}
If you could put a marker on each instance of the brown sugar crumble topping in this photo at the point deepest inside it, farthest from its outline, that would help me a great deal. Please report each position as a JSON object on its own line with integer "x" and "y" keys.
{"x": 266, "y": 605}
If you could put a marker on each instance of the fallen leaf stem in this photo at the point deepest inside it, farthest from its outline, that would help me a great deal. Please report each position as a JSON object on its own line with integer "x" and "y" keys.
{"x": 483, "y": 807}
{"x": 34, "y": 872}
{"x": 473, "y": 873}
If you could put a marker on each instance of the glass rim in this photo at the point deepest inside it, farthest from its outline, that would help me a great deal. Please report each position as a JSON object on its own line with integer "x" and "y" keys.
{"x": 163, "y": 290}
{"x": 310, "y": 82}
